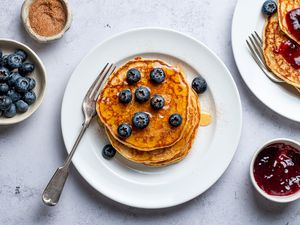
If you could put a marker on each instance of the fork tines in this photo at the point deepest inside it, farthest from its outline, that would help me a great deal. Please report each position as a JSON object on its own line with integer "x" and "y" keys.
{"x": 255, "y": 46}
{"x": 94, "y": 90}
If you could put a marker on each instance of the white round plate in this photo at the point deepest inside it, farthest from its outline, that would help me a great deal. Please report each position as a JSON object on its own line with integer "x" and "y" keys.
{"x": 138, "y": 185}
{"x": 283, "y": 99}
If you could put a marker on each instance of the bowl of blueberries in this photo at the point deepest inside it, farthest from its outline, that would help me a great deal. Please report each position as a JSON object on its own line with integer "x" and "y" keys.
{"x": 22, "y": 82}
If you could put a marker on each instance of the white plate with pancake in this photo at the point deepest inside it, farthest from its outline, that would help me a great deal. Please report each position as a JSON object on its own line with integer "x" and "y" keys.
{"x": 156, "y": 187}
{"x": 283, "y": 99}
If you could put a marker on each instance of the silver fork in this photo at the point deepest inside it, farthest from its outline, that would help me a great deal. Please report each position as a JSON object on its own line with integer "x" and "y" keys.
{"x": 255, "y": 46}
{"x": 55, "y": 186}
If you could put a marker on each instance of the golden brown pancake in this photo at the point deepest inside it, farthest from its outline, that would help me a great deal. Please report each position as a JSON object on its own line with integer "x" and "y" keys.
{"x": 181, "y": 155}
{"x": 284, "y": 6}
{"x": 158, "y": 134}
{"x": 273, "y": 38}
{"x": 169, "y": 155}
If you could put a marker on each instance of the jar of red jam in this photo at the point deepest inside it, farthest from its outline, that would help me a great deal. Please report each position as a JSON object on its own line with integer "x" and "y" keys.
{"x": 275, "y": 170}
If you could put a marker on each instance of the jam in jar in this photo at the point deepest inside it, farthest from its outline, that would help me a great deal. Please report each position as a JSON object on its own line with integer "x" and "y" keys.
{"x": 277, "y": 169}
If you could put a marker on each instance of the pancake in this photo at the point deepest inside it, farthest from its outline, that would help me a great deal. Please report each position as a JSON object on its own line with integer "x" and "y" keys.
{"x": 284, "y": 6}
{"x": 167, "y": 155}
{"x": 183, "y": 153}
{"x": 158, "y": 134}
{"x": 273, "y": 39}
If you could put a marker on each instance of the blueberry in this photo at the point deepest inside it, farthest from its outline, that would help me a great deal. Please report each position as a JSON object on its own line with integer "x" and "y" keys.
{"x": 32, "y": 83}
{"x": 157, "y": 75}
{"x": 29, "y": 97}
{"x": 125, "y": 96}
{"x": 5, "y": 102}
{"x": 3, "y": 88}
{"x": 22, "y": 85}
{"x": 21, "y": 53}
{"x": 269, "y": 7}
{"x": 133, "y": 76}
{"x": 124, "y": 130}
{"x": 140, "y": 120}
{"x": 142, "y": 94}
{"x": 26, "y": 68}
{"x": 3, "y": 61}
{"x": 4, "y": 73}
{"x": 14, "y": 61}
{"x": 199, "y": 85}
{"x": 11, "y": 112}
{"x": 157, "y": 102}
{"x": 108, "y": 152}
{"x": 175, "y": 120}
{"x": 15, "y": 96}
{"x": 21, "y": 106}
{"x": 12, "y": 79}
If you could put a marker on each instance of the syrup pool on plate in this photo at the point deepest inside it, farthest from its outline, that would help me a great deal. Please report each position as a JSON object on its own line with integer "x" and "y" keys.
{"x": 277, "y": 169}
{"x": 205, "y": 119}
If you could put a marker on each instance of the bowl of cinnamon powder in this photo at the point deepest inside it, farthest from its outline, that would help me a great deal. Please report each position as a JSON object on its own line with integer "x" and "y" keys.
{"x": 46, "y": 20}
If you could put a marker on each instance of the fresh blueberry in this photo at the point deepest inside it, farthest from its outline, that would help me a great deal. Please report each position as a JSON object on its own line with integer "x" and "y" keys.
{"x": 199, "y": 85}
{"x": 32, "y": 83}
{"x": 21, "y": 106}
{"x": 3, "y": 88}
{"x": 142, "y": 94}
{"x": 157, "y": 75}
{"x": 125, "y": 96}
{"x": 29, "y": 97}
{"x": 4, "y": 73}
{"x": 5, "y": 102}
{"x": 15, "y": 96}
{"x": 175, "y": 120}
{"x": 133, "y": 76}
{"x": 12, "y": 78}
{"x": 124, "y": 130}
{"x": 11, "y": 112}
{"x": 269, "y": 7}
{"x": 108, "y": 152}
{"x": 22, "y": 85}
{"x": 3, "y": 61}
{"x": 21, "y": 53}
{"x": 140, "y": 120}
{"x": 157, "y": 102}
{"x": 26, "y": 68}
{"x": 14, "y": 61}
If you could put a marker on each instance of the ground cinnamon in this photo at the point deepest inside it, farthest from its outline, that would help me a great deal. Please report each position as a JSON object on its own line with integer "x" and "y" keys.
{"x": 47, "y": 17}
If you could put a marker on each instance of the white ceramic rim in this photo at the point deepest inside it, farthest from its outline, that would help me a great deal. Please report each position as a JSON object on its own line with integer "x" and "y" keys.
{"x": 234, "y": 142}
{"x": 274, "y": 198}
{"x": 40, "y": 98}
{"x": 236, "y": 34}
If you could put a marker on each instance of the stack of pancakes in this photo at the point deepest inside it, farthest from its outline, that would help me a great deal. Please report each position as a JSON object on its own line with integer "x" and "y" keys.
{"x": 159, "y": 143}
{"x": 275, "y": 33}
{"x": 284, "y": 6}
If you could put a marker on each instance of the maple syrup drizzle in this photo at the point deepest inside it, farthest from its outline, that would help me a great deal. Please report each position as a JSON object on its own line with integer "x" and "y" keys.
{"x": 205, "y": 119}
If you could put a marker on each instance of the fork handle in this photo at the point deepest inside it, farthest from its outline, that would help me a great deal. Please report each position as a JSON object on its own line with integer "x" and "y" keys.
{"x": 70, "y": 156}
{"x": 55, "y": 186}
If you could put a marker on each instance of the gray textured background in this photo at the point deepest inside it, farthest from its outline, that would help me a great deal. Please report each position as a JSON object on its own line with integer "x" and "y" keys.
{"x": 30, "y": 151}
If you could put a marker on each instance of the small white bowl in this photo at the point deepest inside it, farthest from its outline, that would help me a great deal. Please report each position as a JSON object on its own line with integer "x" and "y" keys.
{"x": 39, "y": 74}
{"x": 278, "y": 199}
{"x": 24, "y": 16}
